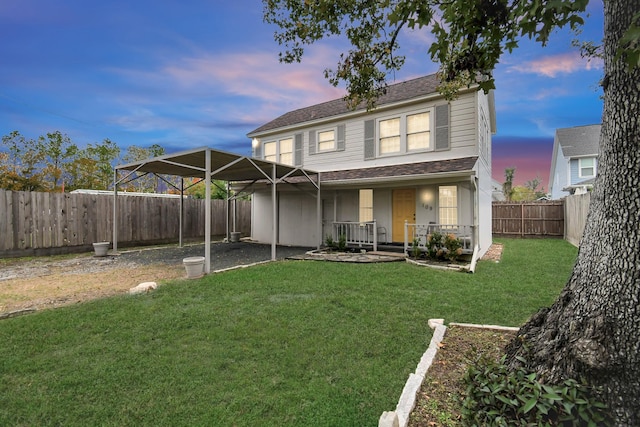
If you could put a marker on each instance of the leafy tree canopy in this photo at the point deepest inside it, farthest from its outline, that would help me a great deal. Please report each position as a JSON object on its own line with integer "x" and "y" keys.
{"x": 470, "y": 36}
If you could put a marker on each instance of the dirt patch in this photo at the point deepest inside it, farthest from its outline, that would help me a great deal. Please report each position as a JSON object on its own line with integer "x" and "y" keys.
{"x": 439, "y": 401}
{"x": 53, "y": 281}
{"x": 494, "y": 253}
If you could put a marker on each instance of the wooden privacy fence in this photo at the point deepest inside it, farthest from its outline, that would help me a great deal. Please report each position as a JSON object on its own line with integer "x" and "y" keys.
{"x": 576, "y": 208}
{"x": 38, "y": 221}
{"x": 528, "y": 219}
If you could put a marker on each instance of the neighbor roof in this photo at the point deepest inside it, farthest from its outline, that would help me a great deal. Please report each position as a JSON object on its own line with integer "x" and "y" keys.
{"x": 579, "y": 141}
{"x": 398, "y": 92}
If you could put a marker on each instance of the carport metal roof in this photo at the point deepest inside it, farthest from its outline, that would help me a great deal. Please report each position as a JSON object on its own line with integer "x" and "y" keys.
{"x": 208, "y": 163}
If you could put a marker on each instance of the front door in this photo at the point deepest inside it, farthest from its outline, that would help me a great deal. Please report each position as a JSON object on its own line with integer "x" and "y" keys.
{"x": 404, "y": 209}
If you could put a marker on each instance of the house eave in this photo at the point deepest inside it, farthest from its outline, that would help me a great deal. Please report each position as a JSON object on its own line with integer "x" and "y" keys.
{"x": 394, "y": 180}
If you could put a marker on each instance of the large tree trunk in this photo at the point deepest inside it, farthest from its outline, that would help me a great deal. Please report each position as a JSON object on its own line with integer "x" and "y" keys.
{"x": 593, "y": 330}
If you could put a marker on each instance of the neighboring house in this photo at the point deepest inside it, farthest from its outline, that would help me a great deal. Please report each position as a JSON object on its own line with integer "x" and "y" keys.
{"x": 415, "y": 159}
{"x": 574, "y": 164}
{"x": 497, "y": 192}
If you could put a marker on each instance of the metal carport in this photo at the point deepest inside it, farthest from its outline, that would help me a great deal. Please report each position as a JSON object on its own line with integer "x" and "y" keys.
{"x": 208, "y": 164}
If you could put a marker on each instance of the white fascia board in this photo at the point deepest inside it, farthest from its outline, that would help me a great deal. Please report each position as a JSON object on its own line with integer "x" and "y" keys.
{"x": 383, "y": 181}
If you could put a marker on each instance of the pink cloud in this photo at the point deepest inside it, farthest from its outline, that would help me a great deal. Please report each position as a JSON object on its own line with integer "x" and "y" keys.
{"x": 259, "y": 75}
{"x": 552, "y": 66}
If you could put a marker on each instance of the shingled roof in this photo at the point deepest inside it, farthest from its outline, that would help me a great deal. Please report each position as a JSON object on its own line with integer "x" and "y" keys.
{"x": 398, "y": 92}
{"x": 403, "y": 170}
{"x": 579, "y": 141}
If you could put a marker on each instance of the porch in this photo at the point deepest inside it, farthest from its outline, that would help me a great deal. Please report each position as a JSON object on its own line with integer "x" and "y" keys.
{"x": 419, "y": 233}
{"x": 357, "y": 234}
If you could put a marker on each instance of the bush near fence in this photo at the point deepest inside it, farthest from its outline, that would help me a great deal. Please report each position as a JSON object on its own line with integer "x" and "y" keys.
{"x": 47, "y": 223}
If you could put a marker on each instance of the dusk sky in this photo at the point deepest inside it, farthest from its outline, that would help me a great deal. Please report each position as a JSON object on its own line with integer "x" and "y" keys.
{"x": 205, "y": 73}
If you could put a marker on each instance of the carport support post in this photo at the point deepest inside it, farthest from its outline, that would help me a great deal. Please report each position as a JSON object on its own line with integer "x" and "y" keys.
{"x": 319, "y": 213}
{"x": 207, "y": 212}
{"x": 181, "y": 211}
{"x": 274, "y": 234}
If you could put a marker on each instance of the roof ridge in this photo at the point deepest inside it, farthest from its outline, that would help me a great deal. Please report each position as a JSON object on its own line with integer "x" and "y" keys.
{"x": 395, "y": 92}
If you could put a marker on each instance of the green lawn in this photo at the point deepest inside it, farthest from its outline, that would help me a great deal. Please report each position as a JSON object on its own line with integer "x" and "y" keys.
{"x": 302, "y": 343}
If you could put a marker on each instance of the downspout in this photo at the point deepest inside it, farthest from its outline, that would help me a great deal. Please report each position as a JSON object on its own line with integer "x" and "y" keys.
{"x": 476, "y": 234}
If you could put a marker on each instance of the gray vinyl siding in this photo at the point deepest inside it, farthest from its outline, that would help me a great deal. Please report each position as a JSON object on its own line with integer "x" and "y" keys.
{"x": 351, "y": 153}
{"x": 462, "y": 135}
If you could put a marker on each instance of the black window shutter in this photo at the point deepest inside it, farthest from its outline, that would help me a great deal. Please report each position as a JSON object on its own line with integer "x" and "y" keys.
{"x": 340, "y": 142}
{"x": 369, "y": 140}
{"x": 297, "y": 154}
{"x": 312, "y": 142}
{"x": 442, "y": 127}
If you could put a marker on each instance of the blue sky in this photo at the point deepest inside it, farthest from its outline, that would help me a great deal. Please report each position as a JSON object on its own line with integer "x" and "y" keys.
{"x": 186, "y": 75}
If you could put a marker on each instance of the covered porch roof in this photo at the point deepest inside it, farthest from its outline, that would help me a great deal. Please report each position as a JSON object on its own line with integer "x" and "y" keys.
{"x": 208, "y": 164}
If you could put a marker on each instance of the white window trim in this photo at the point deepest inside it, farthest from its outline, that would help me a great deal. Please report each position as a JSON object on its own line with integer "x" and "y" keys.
{"x": 335, "y": 140}
{"x": 362, "y": 207}
{"x": 457, "y": 206}
{"x": 278, "y": 152}
{"x": 403, "y": 132}
{"x": 580, "y": 175}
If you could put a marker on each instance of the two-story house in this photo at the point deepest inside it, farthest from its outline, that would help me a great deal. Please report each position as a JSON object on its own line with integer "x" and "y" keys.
{"x": 415, "y": 159}
{"x": 574, "y": 160}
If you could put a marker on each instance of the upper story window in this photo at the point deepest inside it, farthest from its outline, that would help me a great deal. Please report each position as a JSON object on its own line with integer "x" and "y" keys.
{"x": 587, "y": 167}
{"x": 270, "y": 151}
{"x": 418, "y": 135}
{"x": 286, "y": 151}
{"x": 327, "y": 140}
{"x": 389, "y": 131}
{"x": 405, "y": 133}
{"x": 280, "y": 151}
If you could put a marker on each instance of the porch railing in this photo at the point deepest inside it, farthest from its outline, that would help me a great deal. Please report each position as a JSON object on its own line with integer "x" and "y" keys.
{"x": 358, "y": 234}
{"x": 420, "y": 233}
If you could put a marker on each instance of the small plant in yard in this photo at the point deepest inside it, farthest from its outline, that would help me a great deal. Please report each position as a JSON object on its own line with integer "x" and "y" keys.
{"x": 498, "y": 396}
{"x": 443, "y": 246}
{"x": 330, "y": 242}
{"x": 415, "y": 248}
{"x": 434, "y": 245}
{"x": 342, "y": 242}
{"x": 453, "y": 245}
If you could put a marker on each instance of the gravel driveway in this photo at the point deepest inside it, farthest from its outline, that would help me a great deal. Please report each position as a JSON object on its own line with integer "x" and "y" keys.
{"x": 223, "y": 255}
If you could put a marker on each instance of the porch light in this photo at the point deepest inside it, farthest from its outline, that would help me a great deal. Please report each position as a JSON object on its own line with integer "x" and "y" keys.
{"x": 427, "y": 198}
{"x": 255, "y": 142}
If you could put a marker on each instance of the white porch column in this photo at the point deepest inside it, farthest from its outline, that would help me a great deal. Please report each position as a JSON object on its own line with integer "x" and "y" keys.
{"x": 181, "y": 211}
{"x": 319, "y": 213}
